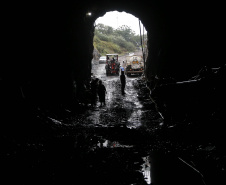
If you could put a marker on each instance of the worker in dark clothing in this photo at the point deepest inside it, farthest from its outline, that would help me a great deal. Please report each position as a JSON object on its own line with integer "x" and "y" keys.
{"x": 94, "y": 85}
{"x": 101, "y": 93}
{"x": 123, "y": 82}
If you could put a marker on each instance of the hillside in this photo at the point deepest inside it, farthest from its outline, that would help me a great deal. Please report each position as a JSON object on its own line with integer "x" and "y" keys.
{"x": 108, "y": 40}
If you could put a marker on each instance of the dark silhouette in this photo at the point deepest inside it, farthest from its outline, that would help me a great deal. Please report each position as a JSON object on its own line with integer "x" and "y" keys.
{"x": 94, "y": 91}
{"x": 123, "y": 82}
{"x": 101, "y": 93}
{"x": 117, "y": 66}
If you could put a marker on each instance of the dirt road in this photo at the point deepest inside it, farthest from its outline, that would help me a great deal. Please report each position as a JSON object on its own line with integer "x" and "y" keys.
{"x": 120, "y": 109}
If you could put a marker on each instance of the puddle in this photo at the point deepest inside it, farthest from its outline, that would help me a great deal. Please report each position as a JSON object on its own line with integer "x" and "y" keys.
{"x": 146, "y": 166}
{"x": 110, "y": 144}
{"x": 134, "y": 119}
{"x": 155, "y": 167}
{"x": 146, "y": 169}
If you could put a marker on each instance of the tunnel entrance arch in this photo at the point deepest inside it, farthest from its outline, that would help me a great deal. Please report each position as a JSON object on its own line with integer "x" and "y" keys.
{"x": 118, "y": 32}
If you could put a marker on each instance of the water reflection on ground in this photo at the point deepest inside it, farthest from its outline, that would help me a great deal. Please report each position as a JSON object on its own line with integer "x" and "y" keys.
{"x": 117, "y": 140}
{"x": 146, "y": 169}
{"x": 145, "y": 165}
{"x": 114, "y": 144}
{"x": 122, "y": 114}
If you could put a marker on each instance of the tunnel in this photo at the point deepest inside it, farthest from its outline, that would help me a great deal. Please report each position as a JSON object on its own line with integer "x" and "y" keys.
{"x": 48, "y": 48}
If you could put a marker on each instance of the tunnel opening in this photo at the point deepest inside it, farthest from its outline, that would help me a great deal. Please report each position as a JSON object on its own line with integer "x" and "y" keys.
{"x": 120, "y": 33}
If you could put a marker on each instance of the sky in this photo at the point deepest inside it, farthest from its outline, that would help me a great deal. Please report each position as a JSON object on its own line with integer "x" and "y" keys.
{"x": 116, "y": 19}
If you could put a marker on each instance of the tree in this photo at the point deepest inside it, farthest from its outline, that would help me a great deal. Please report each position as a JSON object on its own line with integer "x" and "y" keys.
{"x": 120, "y": 40}
{"x": 126, "y": 32}
{"x": 107, "y": 30}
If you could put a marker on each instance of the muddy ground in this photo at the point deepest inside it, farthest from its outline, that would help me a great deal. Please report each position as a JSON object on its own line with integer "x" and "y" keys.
{"x": 123, "y": 142}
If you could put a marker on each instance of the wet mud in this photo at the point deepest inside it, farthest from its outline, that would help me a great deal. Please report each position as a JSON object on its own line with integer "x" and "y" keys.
{"x": 123, "y": 142}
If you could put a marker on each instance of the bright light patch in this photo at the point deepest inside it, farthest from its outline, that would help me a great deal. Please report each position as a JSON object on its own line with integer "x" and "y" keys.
{"x": 88, "y": 14}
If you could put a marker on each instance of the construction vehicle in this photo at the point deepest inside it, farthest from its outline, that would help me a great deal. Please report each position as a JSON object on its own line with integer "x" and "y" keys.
{"x": 134, "y": 65}
{"x": 112, "y": 64}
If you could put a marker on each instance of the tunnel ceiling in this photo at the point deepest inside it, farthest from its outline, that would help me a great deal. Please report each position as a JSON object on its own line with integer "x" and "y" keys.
{"x": 49, "y": 45}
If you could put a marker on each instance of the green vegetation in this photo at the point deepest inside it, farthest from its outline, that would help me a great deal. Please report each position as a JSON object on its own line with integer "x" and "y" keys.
{"x": 108, "y": 40}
